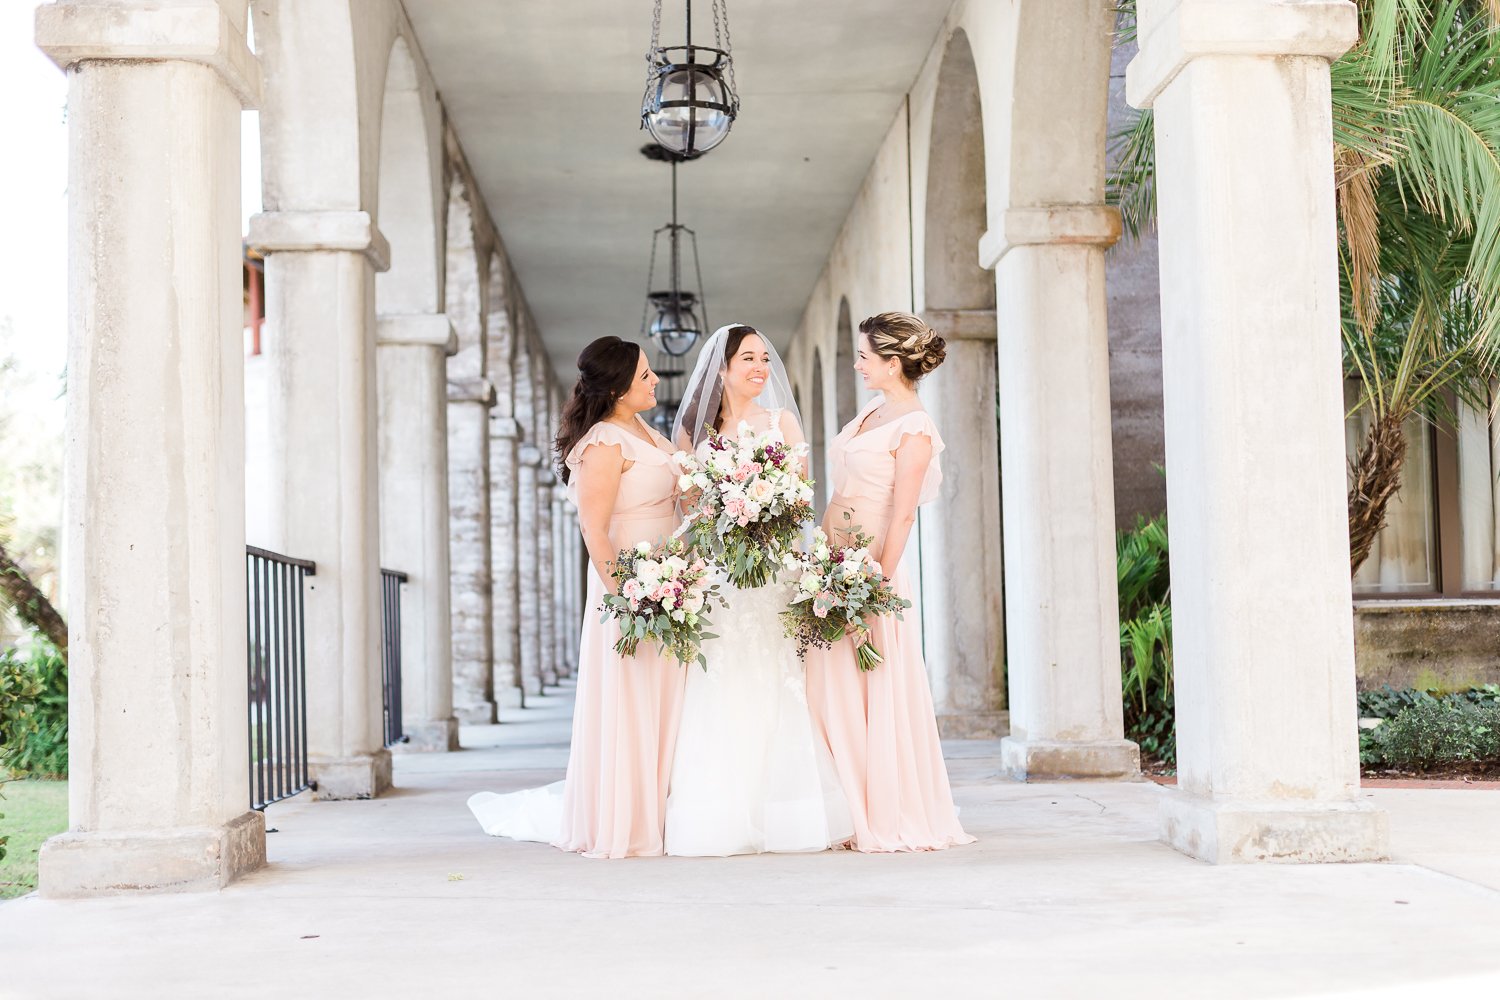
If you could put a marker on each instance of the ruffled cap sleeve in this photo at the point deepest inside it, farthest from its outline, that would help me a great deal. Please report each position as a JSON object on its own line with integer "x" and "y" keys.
{"x": 918, "y": 423}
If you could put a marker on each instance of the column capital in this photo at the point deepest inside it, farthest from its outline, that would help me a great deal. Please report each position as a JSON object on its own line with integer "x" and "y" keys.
{"x": 1082, "y": 225}
{"x": 275, "y": 232}
{"x": 961, "y": 324}
{"x": 1175, "y": 32}
{"x": 71, "y": 32}
{"x": 471, "y": 390}
{"x": 505, "y": 427}
{"x": 530, "y": 455}
{"x": 418, "y": 330}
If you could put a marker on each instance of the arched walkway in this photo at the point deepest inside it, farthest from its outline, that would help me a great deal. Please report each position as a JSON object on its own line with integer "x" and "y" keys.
{"x": 962, "y": 609}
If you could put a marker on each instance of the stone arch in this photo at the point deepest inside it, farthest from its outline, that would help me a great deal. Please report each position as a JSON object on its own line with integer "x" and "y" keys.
{"x": 817, "y": 431}
{"x": 964, "y": 622}
{"x": 845, "y": 394}
{"x": 955, "y": 198}
{"x": 308, "y": 59}
{"x": 410, "y": 190}
{"x": 463, "y": 286}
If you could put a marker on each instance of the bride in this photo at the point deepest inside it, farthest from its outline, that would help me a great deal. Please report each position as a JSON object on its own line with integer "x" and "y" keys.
{"x": 748, "y": 775}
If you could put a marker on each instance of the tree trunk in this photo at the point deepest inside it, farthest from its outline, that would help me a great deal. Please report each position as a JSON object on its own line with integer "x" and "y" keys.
{"x": 31, "y": 604}
{"x": 1377, "y": 478}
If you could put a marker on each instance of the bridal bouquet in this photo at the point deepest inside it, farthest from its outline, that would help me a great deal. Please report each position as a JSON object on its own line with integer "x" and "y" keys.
{"x": 664, "y": 596}
{"x": 752, "y": 502}
{"x": 838, "y": 590}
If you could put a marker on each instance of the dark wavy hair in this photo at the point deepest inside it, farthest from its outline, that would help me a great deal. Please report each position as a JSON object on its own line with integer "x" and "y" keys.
{"x": 606, "y": 368}
{"x": 711, "y": 397}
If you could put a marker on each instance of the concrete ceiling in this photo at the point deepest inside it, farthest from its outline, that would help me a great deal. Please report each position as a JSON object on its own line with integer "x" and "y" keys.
{"x": 545, "y": 97}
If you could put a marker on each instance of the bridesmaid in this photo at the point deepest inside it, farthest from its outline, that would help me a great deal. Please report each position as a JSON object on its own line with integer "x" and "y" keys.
{"x": 621, "y": 476}
{"x": 880, "y": 725}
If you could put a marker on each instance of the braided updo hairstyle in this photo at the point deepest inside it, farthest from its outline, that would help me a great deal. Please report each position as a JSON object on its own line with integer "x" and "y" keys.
{"x": 907, "y": 339}
{"x": 606, "y": 368}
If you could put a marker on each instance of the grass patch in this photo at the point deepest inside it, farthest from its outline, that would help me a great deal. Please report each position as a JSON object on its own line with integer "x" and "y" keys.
{"x": 33, "y": 811}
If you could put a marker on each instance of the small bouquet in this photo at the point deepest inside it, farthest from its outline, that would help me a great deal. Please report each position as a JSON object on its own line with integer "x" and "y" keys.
{"x": 752, "y": 502}
{"x": 664, "y": 596}
{"x": 838, "y": 590}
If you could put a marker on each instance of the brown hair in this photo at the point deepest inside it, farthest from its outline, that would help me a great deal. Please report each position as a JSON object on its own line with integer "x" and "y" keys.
{"x": 906, "y": 338}
{"x": 606, "y": 368}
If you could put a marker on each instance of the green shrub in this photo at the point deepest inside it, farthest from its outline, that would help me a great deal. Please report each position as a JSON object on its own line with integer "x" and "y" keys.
{"x": 1385, "y": 702}
{"x": 1433, "y": 732}
{"x": 1144, "y": 579}
{"x": 34, "y": 710}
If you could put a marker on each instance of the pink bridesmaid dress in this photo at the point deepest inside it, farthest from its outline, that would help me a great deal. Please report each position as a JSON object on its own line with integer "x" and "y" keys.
{"x": 880, "y": 725}
{"x": 627, "y": 708}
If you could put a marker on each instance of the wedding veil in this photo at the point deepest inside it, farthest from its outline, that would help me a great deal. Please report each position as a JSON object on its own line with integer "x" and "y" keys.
{"x": 704, "y": 390}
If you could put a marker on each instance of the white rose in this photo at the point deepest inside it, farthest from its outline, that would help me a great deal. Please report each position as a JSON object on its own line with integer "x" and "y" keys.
{"x": 761, "y": 491}
{"x": 685, "y": 461}
{"x": 753, "y": 509}
{"x": 849, "y": 569}
{"x": 643, "y": 548}
{"x": 811, "y": 582}
{"x": 678, "y": 615}
{"x": 692, "y": 603}
{"x": 820, "y": 551}
{"x": 676, "y": 565}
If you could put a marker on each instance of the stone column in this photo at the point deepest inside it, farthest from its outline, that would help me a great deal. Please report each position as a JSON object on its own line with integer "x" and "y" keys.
{"x": 561, "y": 626}
{"x": 469, "y": 402}
{"x": 1267, "y": 755}
{"x": 963, "y": 623}
{"x": 504, "y": 435}
{"x": 1061, "y": 606}
{"x": 545, "y": 578}
{"x": 527, "y": 466}
{"x": 320, "y": 283}
{"x": 154, "y": 525}
{"x": 414, "y": 431}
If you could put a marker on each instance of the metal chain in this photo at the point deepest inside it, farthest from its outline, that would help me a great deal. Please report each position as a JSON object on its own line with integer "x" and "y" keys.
{"x": 650, "y": 273}
{"x": 655, "y": 32}
{"x": 721, "y": 12}
{"x": 651, "y": 57}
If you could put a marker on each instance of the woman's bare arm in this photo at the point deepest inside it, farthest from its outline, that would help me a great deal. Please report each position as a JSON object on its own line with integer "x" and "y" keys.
{"x": 598, "y": 477}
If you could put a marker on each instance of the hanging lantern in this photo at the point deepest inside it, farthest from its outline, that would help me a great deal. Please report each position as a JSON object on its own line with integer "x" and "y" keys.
{"x": 675, "y": 317}
{"x": 690, "y": 100}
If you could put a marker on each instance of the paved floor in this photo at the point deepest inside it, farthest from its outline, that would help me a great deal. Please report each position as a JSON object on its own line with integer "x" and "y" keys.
{"x": 1067, "y": 894}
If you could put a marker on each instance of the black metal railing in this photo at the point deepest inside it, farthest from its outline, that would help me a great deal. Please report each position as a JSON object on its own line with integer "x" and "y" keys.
{"x": 277, "y": 667}
{"x": 390, "y": 654}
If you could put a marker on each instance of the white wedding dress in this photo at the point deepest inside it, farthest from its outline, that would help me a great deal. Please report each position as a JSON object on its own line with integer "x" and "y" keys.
{"x": 749, "y": 775}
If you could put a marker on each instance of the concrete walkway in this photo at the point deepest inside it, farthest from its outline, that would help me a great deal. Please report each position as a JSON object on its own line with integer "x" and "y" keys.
{"x": 1067, "y": 894}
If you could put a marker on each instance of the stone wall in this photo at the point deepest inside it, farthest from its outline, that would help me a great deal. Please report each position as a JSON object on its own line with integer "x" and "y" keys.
{"x": 1445, "y": 644}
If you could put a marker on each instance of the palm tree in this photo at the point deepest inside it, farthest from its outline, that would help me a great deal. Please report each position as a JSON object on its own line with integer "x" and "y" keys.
{"x": 1416, "y": 115}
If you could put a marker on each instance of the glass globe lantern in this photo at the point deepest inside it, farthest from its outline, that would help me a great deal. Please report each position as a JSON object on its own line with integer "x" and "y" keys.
{"x": 676, "y": 326}
{"x": 674, "y": 316}
{"x": 690, "y": 100}
{"x": 689, "y": 107}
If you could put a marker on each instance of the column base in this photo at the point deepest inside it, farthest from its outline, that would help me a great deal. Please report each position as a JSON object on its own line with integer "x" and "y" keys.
{"x": 437, "y": 736}
{"x": 363, "y": 776}
{"x": 479, "y": 714}
{"x": 510, "y": 697}
{"x": 186, "y": 859}
{"x": 1051, "y": 760}
{"x": 973, "y": 725}
{"x": 1289, "y": 832}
